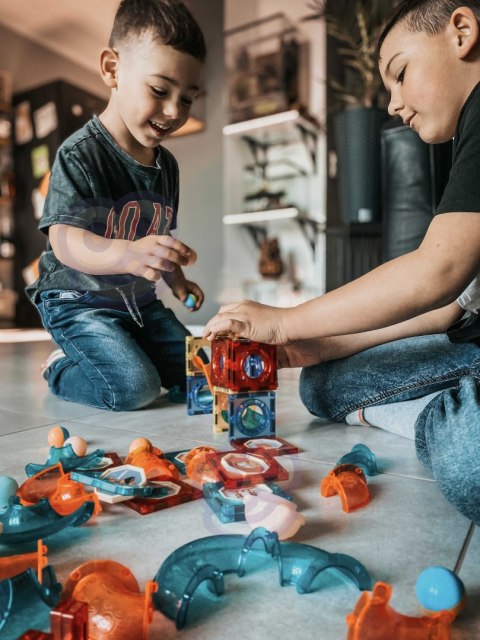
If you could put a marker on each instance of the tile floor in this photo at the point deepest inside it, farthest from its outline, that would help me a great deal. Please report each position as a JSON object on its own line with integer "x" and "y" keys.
{"x": 407, "y": 526}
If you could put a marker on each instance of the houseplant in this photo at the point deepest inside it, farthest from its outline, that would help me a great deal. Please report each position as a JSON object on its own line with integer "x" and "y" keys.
{"x": 359, "y": 101}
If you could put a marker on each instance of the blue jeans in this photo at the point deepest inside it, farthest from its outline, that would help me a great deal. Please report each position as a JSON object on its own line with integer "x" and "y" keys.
{"x": 447, "y": 432}
{"x": 112, "y": 362}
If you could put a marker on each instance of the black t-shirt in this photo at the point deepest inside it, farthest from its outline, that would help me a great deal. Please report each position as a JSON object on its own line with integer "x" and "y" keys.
{"x": 97, "y": 186}
{"x": 462, "y": 192}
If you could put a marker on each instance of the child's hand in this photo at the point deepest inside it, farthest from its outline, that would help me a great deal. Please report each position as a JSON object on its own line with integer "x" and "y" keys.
{"x": 150, "y": 256}
{"x": 181, "y": 290}
{"x": 249, "y": 320}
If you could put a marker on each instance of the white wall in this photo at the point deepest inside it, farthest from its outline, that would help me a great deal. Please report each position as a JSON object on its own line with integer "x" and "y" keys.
{"x": 32, "y": 65}
{"x": 241, "y": 255}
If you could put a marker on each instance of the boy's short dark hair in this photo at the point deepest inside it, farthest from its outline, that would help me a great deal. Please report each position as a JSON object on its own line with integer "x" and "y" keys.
{"x": 169, "y": 20}
{"x": 429, "y": 16}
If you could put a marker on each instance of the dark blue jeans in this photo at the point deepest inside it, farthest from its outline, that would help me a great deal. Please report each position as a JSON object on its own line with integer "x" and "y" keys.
{"x": 112, "y": 362}
{"x": 447, "y": 432}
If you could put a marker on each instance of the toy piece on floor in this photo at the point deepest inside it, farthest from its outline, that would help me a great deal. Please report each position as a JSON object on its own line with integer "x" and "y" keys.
{"x": 229, "y": 504}
{"x": 362, "y": 457}
{"x": 117, "y": 609}
{"x": 42, "y": 485}
{"x": 19, "y": 524}
{"x": 143, "y": 454}
{"x": 175, "y": 493}
{"x": 27, "y": 571}
{"x": 274, "y": 513}
{"x": 199, "y": 393}
{"x": 199, "y": 470}
{"x": 209, "y": 559}
{"x": 348, "y": 481}
{"x": 63, "y": 494}
{"x": 274, "y": 446}
{"x": 69, "y": 458}
{"x": 374, "y": 619}
{"x": 120, "y": 483}
{"x": 176, "y": 395}
{"x": 235, "y": 469}
{"x": 57, "y": 436}
{"x": 11, "y": 566}
{"x": 8, "y": 488}
{"x": 181, "y": 458}
{"x": 68, "y": 621}
{"x": 70, "y": 495}
{"x": 438, "y": 588}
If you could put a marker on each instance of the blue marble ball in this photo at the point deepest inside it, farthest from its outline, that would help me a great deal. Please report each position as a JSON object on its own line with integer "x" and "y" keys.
{"x": 190, "y": 301}
{"x": 439, "y": 588}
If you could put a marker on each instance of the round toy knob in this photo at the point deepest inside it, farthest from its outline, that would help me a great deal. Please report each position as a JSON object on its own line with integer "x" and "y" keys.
{"x": 78, "y": 444}
{"x": 57, "y": 436}
{"x": 438, "y": 588}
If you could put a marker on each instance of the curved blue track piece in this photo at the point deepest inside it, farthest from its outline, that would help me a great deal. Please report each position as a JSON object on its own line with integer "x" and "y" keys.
{"x": 69, "y": 459}
{"x": 27, "y": 586}
{"x": 21, "y": 524}
{"x": 209, "y": 559}
{"x": 363, "y": 457}
{"x": 6, "y": 598}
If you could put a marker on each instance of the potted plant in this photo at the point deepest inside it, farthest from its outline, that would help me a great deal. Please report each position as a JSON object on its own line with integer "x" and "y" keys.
{"x": 359, "y": 101}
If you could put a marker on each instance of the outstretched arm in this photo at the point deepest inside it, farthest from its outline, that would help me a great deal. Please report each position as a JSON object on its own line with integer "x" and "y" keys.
{"x": 428, "y": 278}
{"x": 304, "y": 353}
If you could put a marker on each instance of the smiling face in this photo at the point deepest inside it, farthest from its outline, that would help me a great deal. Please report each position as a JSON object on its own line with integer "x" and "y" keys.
{"x": 153, "y": 88}
{"x": 427, "y": 77}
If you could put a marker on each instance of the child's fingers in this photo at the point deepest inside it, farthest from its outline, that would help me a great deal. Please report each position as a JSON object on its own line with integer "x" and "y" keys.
{"x": 225, "y": 326}
{"x": 173, "y": 246}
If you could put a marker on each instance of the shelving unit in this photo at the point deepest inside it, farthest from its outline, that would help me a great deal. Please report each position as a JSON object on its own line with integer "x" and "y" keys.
{"x": 254, "y": 223}
{"x": 283, "y": 147}
{"x": 274, "y": 205}
{"x": 7, "y": 248}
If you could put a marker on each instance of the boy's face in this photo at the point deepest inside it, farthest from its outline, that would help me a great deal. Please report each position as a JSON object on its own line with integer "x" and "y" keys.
{"x": 155, "y": 86}
{"x": 427, "y": 83}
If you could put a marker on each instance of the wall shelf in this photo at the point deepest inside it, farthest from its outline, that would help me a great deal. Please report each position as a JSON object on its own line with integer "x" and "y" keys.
{"x": 254, "y": 221}
{"x": 278, "y": 130}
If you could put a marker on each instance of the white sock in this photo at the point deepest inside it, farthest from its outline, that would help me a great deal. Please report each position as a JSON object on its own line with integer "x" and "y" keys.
{"x": 396, "y": 417}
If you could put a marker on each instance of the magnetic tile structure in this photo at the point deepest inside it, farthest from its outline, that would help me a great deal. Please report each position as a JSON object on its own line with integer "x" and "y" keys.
{"x": 242, "y": 376}
{"x": 199, "y": 393}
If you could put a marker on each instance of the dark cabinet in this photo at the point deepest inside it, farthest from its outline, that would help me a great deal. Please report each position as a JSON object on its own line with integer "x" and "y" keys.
{"x": 44, "y": 117}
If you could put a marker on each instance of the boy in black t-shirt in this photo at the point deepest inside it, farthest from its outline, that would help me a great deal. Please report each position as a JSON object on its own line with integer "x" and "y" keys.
{"x": 375, "y": 351}
{"x": 110, "y": 212}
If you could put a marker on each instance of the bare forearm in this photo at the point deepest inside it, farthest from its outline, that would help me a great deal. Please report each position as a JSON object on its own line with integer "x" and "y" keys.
{"x": 437, "y": 321}
{"x": 304, "y": 353}
{"x": 428, "y": 278}
{"x": 364, "y": 305}
{"x": 87, "y": 252}
{"x": 149, "y": 257}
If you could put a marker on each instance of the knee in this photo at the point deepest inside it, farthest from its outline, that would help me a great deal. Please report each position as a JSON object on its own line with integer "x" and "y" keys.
{"x": 448, "y": 442}
{"x": 310, "y": 391}
{"x": 135, "y": 390}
